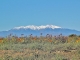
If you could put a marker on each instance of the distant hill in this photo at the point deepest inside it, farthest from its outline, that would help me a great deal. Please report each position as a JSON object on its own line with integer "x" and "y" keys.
{"x": 37, "y": 30}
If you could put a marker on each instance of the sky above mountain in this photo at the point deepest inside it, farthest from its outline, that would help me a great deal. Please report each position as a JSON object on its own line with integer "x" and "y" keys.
{"x": 63, "y": 13}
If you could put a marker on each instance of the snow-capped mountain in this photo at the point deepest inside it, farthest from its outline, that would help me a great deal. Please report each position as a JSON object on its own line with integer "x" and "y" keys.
{"x": 33, "y": 27}
{"x": 37, "y": 30}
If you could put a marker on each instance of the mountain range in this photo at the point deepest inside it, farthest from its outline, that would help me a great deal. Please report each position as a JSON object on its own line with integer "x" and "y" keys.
{"x": 37, "y": 30}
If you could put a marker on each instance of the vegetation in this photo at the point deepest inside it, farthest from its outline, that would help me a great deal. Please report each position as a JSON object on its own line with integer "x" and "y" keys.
{"x": 40, "y": 48}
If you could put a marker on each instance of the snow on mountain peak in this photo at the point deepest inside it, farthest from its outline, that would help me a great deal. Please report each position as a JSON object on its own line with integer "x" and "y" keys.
{"x": 33, "y": 27}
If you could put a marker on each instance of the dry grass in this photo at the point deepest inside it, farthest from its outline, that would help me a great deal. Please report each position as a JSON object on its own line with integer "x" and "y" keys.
{"x": 43, "y": 48}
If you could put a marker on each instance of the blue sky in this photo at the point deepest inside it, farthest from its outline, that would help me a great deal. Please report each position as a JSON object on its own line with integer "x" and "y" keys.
{"x": 63, "y": 13}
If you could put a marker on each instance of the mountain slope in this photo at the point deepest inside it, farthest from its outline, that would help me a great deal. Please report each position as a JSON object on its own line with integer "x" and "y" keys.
{"x": 37, "y": 30}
